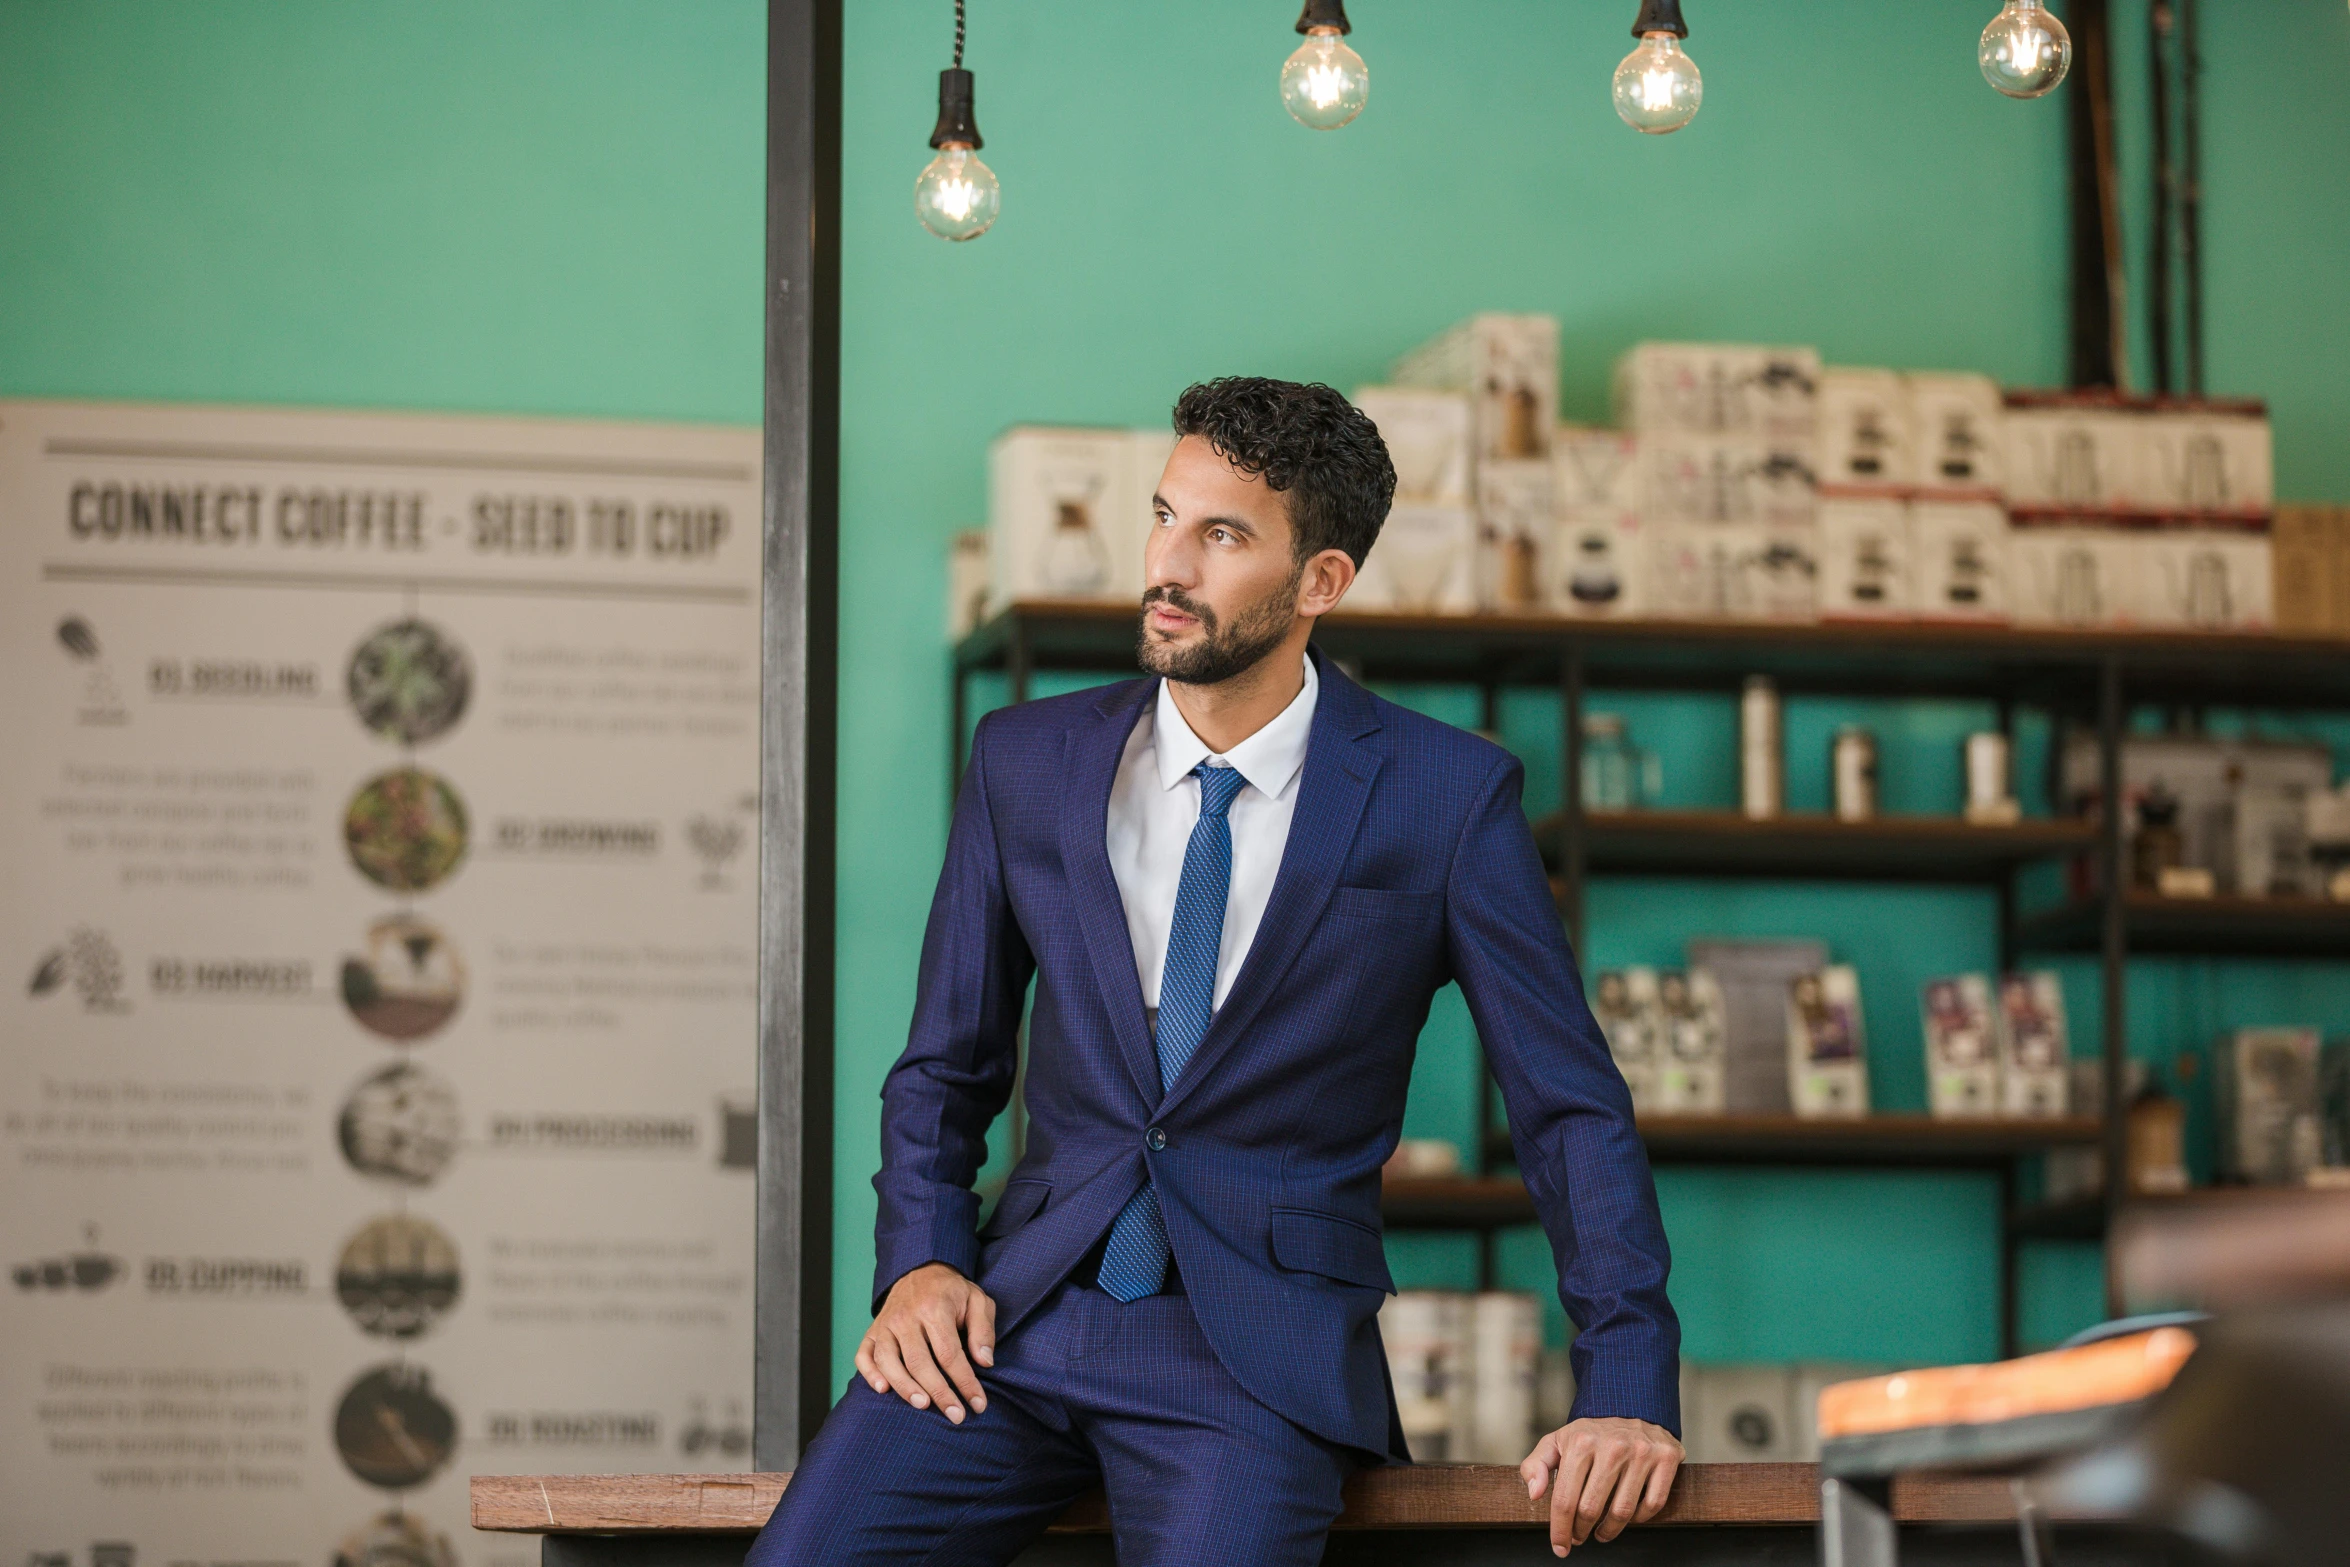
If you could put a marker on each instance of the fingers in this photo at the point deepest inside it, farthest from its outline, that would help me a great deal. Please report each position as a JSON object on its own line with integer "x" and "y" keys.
{"x": 1535, "y": 1471}
{"x": 946, "y": 1351}
{"x": 1609, "y": 1457}
{"x": 1566, "y": 1489}
{"x": 868, "y": 1368}
{"x": 979, "y": 1324}
{"x": 893, "y": 1368}
{"x": 1623, "y": 1502}
{"x": 1660, "y": 1484}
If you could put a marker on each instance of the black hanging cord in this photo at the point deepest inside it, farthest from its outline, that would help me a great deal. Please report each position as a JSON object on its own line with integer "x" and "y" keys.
{"x": 956, "y": 122}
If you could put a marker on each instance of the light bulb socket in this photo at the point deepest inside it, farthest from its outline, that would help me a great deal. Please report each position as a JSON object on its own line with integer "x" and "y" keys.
{"x": 1660, "y": 16}
{"x": 955, "y": 120}
{"x": 1324, "y": 13}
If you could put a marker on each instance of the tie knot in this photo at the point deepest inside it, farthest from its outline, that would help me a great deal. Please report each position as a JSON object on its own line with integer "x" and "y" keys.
{"x": 1217, "y": 786}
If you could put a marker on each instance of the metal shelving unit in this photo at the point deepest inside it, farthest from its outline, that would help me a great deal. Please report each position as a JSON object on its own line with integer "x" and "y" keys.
{"x": 2086, "y": 678}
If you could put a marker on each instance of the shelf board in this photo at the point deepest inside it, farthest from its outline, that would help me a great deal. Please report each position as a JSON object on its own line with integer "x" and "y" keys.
{"x": 1874, "y": 1141}
{"x": 1454, "y": 1202}
{"x": 1887, "y": 659}
{"x": 2084, "y": 1218}
{"x": 1889, "y": 848}
{"x": 2222, "y": 927}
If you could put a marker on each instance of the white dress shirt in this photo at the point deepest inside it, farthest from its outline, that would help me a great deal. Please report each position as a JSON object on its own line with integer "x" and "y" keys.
{"x": 1155, "y": 804}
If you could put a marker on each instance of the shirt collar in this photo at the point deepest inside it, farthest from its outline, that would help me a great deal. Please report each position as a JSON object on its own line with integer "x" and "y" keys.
{"x": 1270, "y": 759}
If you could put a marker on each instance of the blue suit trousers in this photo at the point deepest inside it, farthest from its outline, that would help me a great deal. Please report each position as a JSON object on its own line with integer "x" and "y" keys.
{"x": 1086, "y": 1390}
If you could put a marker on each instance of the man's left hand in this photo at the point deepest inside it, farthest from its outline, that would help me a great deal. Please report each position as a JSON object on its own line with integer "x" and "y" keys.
{"x": 1603, "y": 1475}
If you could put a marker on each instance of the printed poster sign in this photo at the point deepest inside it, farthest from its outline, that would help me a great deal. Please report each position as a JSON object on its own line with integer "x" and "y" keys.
{"x": 379, "y": 812}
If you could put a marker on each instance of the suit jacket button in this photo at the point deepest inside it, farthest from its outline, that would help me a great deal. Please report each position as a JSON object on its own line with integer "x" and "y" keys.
{"x": 1155, "y": 1139}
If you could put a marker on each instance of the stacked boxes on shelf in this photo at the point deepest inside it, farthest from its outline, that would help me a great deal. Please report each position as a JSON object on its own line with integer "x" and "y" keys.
{"x": 2003, "y": 1053}
{"x": 1726, "y": 457}
{"x": 1068, "y": 509}
{"x": 2139, "y": 512}
{"x": 1910, "y": 520}
{"x": 1507, "y": 369}
{"x": 1426, "y": 559}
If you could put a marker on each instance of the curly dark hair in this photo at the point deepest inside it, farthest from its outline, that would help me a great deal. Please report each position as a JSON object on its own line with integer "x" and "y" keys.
{"x": 1306, "y": 442}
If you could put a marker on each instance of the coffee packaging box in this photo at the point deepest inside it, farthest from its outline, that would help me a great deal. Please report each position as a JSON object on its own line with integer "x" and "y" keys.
{"x": 1736, "y": 1414}
{"x": 2302, "y": 541}
{"x": 1868, "y": 432}
{"x": 1429, "y": 438}
{"x": 2072, "y": 455}
{"x": 1426, "y": 1335}
{"x": 1962, "y": 1047}
{"x": 2063, "y": 573}
{"x": 1508, "y": 365}
{"x": 1624, "y": 1002}
{"x": 2203, "y": 460}
{"x": 1514, "y": 525}
{"x": 968, "y": 583}
{"x": 2203, "y": 578}
{"x": 1710, "y": 479}
{"x": 1069, "y": 509}
{"x": 1715, "y": 391}
{"x": 2265, "y": 1098}
{"x": 1958, "y": 554}
{"x": 1960, "y": 423}
{"x": 1424, "y": 563}
{"x": 2035, "y": 1053}
{"x": 1504, "y": 1356}
{"x": 1752, "y": 978}
{"x": 1827, "y": 1048}
{"x": 1693, "y": 1045}
{"x": 1865, "y": 570}
{"x": 1596, "y": 567}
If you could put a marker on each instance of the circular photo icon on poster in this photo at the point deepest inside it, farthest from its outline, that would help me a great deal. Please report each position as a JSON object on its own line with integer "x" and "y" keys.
{"x": 409, "y": 681}
{"x": 400, "y": 1125}
{"x": 394, "y": 1540}
{"x": 397, "y": 1276}
{"x": 392, "y": 1429}
{"x": 405, "y": 829}
{"x": 408, "y": 983}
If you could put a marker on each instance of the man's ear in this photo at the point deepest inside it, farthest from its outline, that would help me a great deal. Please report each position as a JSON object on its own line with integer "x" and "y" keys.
{"x": 1324, "y": 582}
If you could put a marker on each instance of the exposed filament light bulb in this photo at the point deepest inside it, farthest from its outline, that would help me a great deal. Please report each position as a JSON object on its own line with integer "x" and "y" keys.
{"x": 1324, "y": 84}
{"x": 1657, "y": 88}
{"x": 956, "y": 196}
{"x": 2025, "y": 51}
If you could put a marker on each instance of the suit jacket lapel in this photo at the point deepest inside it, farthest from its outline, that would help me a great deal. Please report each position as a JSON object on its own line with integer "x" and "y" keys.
{"x": 1331, "y": 793}
{"x": 1092, "y": 758}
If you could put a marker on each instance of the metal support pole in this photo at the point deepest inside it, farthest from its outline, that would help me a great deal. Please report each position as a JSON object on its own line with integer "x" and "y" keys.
{"x": 799, "y": 707}
{"x": 2113, "y": 950}
{"x": 2191, "y": 186}
{"x": 2010, "y": 1315}
{"x": 1016, "y": 659}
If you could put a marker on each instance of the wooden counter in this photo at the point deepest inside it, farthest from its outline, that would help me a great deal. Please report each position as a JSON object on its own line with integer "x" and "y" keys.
{"x": 1432, "y": 1513}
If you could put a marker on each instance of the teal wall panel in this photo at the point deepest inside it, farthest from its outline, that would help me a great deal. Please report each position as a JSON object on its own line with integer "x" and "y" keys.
{"x": 555, "y": 208}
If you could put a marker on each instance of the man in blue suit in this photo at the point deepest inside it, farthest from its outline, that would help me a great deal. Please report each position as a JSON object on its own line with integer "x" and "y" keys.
{"x": 1236, "y": 888}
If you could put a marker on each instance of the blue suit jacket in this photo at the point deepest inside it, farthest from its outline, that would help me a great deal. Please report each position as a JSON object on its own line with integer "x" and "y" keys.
{"x": 1409, "y": 864}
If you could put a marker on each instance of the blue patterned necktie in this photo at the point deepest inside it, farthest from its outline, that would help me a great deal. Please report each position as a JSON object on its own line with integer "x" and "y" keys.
{"x": 1134, "y": 1263}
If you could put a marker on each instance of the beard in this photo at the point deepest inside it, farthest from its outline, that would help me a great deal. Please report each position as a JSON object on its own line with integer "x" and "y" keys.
{"x": 1223, "y": 650}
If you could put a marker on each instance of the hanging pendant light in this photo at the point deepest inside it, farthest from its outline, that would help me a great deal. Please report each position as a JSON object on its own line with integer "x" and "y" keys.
{"x": 1657, "y": 88}
{"x": 1324, "y": 84}
{"x": 957, "y": 196}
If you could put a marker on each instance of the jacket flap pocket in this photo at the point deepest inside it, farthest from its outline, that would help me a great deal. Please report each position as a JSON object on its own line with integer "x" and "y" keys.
{"x": 1021, "y": 1201}
{"x": 1334, "y": 1247}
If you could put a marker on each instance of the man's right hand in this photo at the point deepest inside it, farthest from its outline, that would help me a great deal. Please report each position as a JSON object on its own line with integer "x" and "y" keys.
{"x": 915, "y": 1347}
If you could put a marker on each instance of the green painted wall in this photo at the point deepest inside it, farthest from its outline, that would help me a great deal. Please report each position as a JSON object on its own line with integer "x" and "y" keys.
{"x": 554, "y": 208}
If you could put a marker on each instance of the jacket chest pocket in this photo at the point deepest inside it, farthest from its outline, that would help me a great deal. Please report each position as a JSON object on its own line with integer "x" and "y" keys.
{"x": 1385, "y": 905}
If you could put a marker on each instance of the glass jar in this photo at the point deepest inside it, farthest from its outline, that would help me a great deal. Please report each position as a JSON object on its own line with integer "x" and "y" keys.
{"x": 1617, "y": 775}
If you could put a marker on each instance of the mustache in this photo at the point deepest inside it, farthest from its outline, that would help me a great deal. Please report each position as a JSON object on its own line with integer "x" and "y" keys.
{"x": 1175, "y": 598}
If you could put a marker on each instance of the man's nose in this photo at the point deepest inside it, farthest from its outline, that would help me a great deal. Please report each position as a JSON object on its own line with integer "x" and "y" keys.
{"x": 1172, "y": 561}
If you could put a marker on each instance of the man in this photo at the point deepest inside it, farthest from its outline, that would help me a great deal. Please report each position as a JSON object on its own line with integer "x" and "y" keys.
{"x": 1236, "y": 887}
